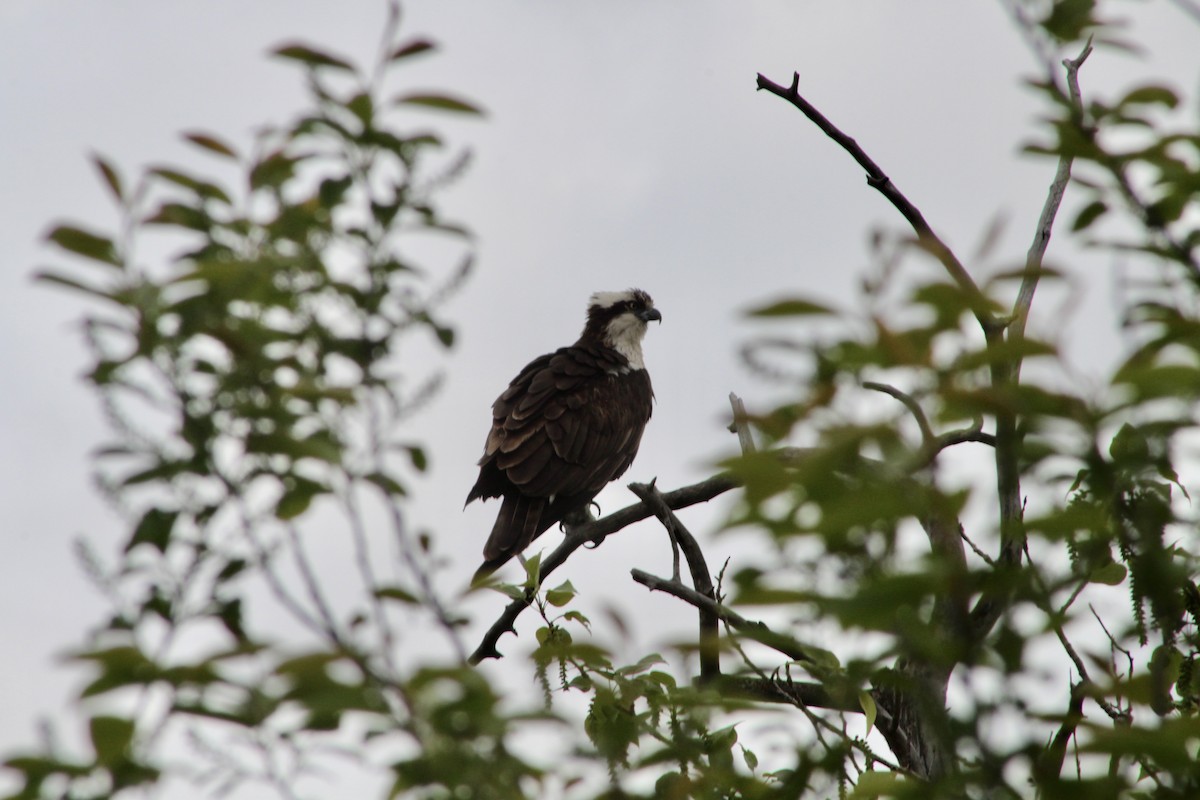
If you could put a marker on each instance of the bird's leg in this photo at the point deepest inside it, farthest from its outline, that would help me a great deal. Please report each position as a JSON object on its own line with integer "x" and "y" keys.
{"x": 581, "y": 516}
{"x": 674, "y": 553}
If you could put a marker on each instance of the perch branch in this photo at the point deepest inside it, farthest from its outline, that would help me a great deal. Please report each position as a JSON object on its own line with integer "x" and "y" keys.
{"x": 710, "y": 655}
{"x": 878, "y": 180}
{"x": 595, "y": 532}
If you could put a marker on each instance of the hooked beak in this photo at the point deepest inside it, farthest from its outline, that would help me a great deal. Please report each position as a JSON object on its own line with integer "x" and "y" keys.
{"x": 650, "y": 314}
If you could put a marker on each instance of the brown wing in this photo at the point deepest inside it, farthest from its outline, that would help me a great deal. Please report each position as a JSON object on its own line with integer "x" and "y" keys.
{"x": 569, "y": 424}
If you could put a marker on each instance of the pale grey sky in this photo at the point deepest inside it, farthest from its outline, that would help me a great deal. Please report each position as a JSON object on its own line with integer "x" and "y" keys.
{"x": 624, "y": 146}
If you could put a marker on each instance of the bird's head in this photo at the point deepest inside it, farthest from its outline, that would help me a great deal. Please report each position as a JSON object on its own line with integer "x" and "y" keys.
{"x": 618, "y": 319}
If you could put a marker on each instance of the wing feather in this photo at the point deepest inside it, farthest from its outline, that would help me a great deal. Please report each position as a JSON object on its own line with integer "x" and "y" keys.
{"x": 569, "y": 423}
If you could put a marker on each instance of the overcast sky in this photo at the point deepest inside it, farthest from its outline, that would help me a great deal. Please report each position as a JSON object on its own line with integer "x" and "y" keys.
{"x": 624, "y": 146}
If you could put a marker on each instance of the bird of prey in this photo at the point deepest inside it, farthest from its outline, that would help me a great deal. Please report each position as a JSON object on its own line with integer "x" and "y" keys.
{"x": 567, "y": 425}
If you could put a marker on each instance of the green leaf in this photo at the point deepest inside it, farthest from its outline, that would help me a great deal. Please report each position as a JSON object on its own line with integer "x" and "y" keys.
{"x": 791, "y": 307}
{"x": 1110, "y": 574}
{"x": 1068, "y": 19}
{"x": 397, "y": 594}
{"x": 154, "y": 529}
{"x": 872, "y": 784}
{"x": 419, "y": 460}
{"x": 110, "y": 175}
{"x": 212, "y": 144}
{"x": 362, "y": 107}
{"x": 182, "y": 216}
{"x": 312, "y": 57}
{"x": 71, "y": 283}
{"x": 297, "y": 496}
{"x": 560, "y": 595}
{"x": 273, "y": 171}
{"x": 412, "y": 48}
{"x": 388, "y": 484}
{"x": 204, "y": 189}
{"x": 119, "y": 666}
{"x": 870, "y": 710}
{"x": 644, "y": 664}
{"x": 1090, "y": 213}
{"x": 111, "y": 737}
{"x": 439, "y": 102}
{"x": 84, "y": 243}
{"x": 1150, "y": 95}
{"x": 533, "y": 571}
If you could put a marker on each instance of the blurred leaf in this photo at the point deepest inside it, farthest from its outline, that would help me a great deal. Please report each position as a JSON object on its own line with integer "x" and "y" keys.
{"x": 111, "y": 737}
{"x": 154, "y": 529}
{"x": 201, "y": 188}
{"x": 212, "y": 144}
{"x": 119, "y": 666}
{"x": 411, "y": 48}
{"x": 312, "y": 57}
{"x": 873, "y": 784}
{"x": 84, "y": 243}
{"x": 439, "y": 102}
{"x": 791, "y": 307}
{"x": 297, "y": 496}
{"x": 273, "y": 171}
{"x": 1090, "y": 213}
{"x": 181, "y": 216}
{"x": 1068, "y": 19}
{"x": 1110, "y": 574}
{"x": 1150, "y": 95}
{"x": 111, "y": 178}
{"x": 71, "y": 283}
{"x": 870, "y": 710}
{"x": 397, "y": 594}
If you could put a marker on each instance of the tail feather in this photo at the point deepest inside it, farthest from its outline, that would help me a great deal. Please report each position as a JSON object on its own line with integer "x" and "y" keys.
{"x": 517, "y": 524}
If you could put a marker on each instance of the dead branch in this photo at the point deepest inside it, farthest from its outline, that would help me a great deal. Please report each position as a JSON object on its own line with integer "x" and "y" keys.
{"x": 1006, "y": 373}
{"x": 752, "y": 629}
{"x": 1041, "y": 237}
{"x": 741, "y": 425}
{"x": 709, "y": 642}
{"x": 878, "y": 180}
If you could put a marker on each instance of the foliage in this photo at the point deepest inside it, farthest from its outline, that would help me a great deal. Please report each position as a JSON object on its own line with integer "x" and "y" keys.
{"x": 260, "y": 380}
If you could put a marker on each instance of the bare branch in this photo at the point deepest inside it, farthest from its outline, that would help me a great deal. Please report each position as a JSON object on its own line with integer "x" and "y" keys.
{"x": 1006, "y": 373}
{"x": 752, "y": 629}
{"x": 910, "y": 403}
{"x": 931, "y": 443}
{"x": 709, "y": 642}
{"x": 595, "y": 532}
{"x": 766, "y": 690}
{"x": 1049, "y": 765}
{"x": 741, "y": 425}
{"x": 878, "y": 180}
{"x": 1041, "y": 238}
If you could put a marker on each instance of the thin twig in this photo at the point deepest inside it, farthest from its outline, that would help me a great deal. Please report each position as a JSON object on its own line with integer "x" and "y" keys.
{"x": 751, "y": 629}
{"x": 741, "y": 425}
{"x": 682, "y": 540}
{"x": 1041, "y": 238}
{"x": 909, "y": 402}
{"x": 878, "y": 180}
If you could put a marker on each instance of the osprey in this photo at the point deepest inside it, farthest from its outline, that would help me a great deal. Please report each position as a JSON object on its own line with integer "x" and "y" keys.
{"x": 567, "y": 425}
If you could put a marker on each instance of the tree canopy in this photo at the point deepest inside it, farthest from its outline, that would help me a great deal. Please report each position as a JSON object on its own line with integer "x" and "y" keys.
{"x": 1006, "y": 554}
